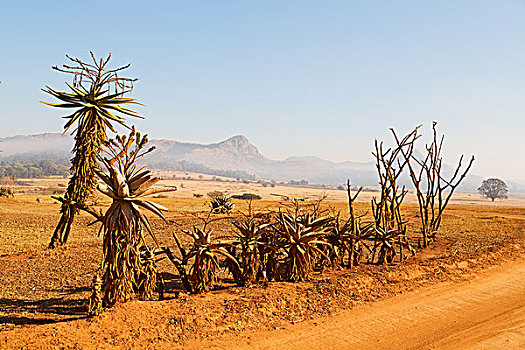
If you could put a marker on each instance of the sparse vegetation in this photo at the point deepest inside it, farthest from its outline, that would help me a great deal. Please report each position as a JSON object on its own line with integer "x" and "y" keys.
{"x": 288, "y": 244}
{"x": 285, "y": 244}
{"x": 468, "y": 233}
{"x": 52, "y": 190}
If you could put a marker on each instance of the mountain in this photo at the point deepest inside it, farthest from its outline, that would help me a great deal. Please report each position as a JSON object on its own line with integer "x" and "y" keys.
{"x": 48, "y": 143}
{"x": 234, "y": 157}
{"x": 235, "y": 154}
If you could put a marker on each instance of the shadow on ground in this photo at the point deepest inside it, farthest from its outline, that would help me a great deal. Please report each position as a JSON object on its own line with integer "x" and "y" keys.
{"x": 27, "y": 312}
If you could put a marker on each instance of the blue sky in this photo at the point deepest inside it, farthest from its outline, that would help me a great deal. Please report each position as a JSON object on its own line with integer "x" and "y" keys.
{"x": 305, "y": 77}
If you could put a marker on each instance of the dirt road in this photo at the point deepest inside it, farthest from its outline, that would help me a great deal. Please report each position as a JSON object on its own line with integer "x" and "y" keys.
{"x": 487, "y": 312}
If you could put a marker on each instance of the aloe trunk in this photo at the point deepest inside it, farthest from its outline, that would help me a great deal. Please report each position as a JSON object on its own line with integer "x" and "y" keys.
{"x": 88, "y": 144}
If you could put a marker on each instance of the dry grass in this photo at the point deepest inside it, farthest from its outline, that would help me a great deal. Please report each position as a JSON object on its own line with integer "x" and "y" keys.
{"x": 25, "y": 225}
{"x": 40, "y": 286}
{"x": 187, "y": 188}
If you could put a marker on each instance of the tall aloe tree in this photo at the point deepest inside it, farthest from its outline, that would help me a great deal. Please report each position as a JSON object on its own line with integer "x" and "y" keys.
{"x": 96, "y": 96}
{"x": 128, "y": 266}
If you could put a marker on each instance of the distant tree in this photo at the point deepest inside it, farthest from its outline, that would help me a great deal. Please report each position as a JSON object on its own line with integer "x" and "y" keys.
{"x": 494, "y": 188}
{"x": 246, "y": 196}
{"x": 215, "y": 194}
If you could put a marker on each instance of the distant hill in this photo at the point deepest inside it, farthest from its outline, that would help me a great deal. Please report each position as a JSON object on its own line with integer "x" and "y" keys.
{"x": 237, "y": 153}
{"x": 49, "y": 143}
{"x": 234, "y": 157}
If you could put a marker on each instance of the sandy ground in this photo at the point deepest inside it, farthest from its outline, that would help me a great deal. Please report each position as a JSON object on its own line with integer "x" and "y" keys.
{"x": 485, "y": 313}
{"x": 442, "y": 298}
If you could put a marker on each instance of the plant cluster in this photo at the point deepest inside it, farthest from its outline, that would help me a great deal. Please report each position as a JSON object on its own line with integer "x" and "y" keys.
{"x": 300, "y": 238}
{"x": 287, "y": 245}
{"x": 6, "y": 192}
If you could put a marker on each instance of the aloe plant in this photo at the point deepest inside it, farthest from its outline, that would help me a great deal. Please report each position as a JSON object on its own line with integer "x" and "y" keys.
{"x": 249, "y": 233}
{"x": 221, "y": 204}
{"x": 198, "y": 266}
{"x": 205, "y": 255}
{"x": 96, "y": 109}
{"x": 299, "y": 240}
{"x": 386, "y": 244}
{"x": 124, "y": 224}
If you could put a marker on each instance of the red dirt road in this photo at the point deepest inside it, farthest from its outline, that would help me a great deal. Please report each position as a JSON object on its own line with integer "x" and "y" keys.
{"x": 487, "y": 312}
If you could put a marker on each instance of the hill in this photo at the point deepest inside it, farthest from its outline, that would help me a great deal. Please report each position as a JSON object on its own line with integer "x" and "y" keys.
{"x": 233, "y": 157}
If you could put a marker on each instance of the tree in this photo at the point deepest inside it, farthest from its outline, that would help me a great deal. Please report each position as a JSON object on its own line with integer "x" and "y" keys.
{"x": 96, "y": 109}
{"x": 433, "y": 191}
{"x": 494, "y": 188}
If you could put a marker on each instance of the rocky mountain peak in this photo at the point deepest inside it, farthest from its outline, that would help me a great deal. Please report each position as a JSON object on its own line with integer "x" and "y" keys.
{"x": 239, "y": 145}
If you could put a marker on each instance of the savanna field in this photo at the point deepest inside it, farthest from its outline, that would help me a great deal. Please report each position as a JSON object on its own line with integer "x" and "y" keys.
{"x": 44, "y": 293}
{"x": 287, "y": 175}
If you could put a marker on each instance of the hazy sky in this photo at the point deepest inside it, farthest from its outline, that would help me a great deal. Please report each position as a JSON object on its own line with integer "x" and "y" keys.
{"x": 296, "y": 77}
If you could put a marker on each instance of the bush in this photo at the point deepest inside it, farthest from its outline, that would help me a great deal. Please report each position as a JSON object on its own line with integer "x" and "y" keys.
{"x": 221, "y": 204}
{"x": 51, "y": 190}
{"x": 246, "y": 196}
{"x": 215, "y": 194}
{"x": 6, "y": 192}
